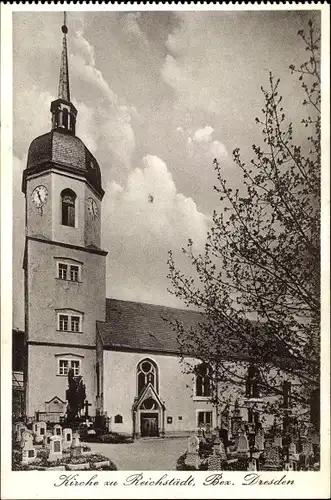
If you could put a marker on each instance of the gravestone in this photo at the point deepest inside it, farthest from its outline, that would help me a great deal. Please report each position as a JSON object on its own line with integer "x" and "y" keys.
{"x": 57, "y": 430}
{"x": 252, "y": 465}
{"x": 290, "y": 466}
{"x": 22, "y": 428}
{"x": 236, "y": 420}
{"x": 242, "y": 446}
{"x": 41, "y": 428}
{"x": 201, "y": 435}
{"x": 27, "y": 439}
{"x": 193, "y": 444}
{"x": 67, "y": 437}
{"x": 47, "y": 440}
{"x": 307, "y": 448}
{"x": 16, "y": 430}
{"x": 272, "y": 458}
{"x": 292, "y": 449}
{"x": 278, "y": 440}
{"x": 55, "y": 452}
{"x": 214, "y": 462}
{"x": 259, "y": 440}
{"x": 208, "y": 434}
{"x": 221, "y": 451}
{"x": 29, "y": 453}
{"x": 76, "y": 448}
{"x": 35, "y": 427}
{"x": 192, "y": 456}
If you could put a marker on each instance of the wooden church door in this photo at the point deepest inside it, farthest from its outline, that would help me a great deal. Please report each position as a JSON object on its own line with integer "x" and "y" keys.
{"x": 149, "y": 424}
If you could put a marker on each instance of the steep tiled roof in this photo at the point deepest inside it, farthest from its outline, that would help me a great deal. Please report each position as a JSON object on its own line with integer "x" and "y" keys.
{"x": 139, "y": 326}
{"x": 136, "y": 326}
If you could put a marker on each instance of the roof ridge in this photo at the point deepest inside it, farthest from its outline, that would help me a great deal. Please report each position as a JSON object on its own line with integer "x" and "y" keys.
{"x": 154, "y": 305}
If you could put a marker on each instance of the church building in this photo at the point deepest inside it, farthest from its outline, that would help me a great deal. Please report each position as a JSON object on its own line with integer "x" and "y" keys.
{"x": 126, "y": 352}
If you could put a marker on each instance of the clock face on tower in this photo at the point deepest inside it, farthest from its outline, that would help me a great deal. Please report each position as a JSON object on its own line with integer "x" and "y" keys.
{"x": 39, "y": 196}
{"x": 92, "y": 208}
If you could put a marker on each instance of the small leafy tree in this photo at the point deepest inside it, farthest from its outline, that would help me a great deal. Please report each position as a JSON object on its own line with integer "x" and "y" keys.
{"x": 258, "y": 281}
{"x": 75, "y": 395}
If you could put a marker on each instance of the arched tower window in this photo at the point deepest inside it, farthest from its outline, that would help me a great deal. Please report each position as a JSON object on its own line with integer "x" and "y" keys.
{"x": 147, "y": 373}
{"x": 202, "y": 380}
{"x": 68, "y": 202}
{"x": 65, "y": 115}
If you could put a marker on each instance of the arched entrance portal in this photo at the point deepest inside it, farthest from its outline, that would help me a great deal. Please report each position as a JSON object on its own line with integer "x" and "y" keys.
{"x": 148, "y": 414}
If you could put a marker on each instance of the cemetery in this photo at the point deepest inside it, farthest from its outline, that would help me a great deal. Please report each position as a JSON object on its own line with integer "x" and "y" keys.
{"x": 40, "y": 445}
{"x": 287, "y": 445}
{"x": 37, "y": 446}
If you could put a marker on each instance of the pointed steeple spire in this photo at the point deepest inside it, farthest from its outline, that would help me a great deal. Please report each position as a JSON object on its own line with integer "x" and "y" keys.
{"x": 64, "y": 89}
{"x": 63, "y": 111}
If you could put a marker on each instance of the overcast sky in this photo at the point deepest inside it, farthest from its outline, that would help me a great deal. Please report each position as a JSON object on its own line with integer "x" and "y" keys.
{"x": 159, "y": 95}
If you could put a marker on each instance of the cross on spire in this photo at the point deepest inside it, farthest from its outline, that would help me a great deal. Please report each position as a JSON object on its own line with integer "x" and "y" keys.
{"x": 64, "y": 90}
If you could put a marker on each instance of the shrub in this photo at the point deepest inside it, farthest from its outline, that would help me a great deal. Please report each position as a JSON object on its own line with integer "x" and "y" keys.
{"x": 112, "y": 438}
{"x": 181, "y": 465}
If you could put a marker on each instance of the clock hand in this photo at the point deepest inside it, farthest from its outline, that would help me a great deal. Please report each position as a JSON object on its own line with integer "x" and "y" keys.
{"x": 39, "y": 196}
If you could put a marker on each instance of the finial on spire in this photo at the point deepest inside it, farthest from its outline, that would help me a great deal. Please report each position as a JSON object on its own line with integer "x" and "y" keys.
{"x": 64, "y": 26}
{"x": 64, "y": 90}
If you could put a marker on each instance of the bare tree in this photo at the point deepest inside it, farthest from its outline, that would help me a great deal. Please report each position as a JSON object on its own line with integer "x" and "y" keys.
{"x": 258, "y": 281}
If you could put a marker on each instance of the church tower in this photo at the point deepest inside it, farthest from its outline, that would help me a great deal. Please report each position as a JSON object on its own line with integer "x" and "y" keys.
{"x": 64, "y": 266}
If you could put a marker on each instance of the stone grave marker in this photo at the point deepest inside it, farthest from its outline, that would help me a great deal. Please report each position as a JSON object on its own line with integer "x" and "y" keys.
{"x": 259, "y": 440}
{"x": 221, "y": 451}
{"x": 34, "y": 427}
{"x": 272, "y": 458}
{"x": 290, "y": 466}
{"x": 307, "y": 448}
{"x": 208, "y": 434}
{"x": 192, "y": 456}
{"x": 57, "y": 430}
{"x": 243, "y": 447}
{"x": 292, "y": 449}
{"x": 55, "y": 452}
{"x": 41, "y": 428}
{"x": 278, "y": 440}
{"x": 252, "y": 465}
{"x": 76, "y": 448}
{"x": 200, "y": 434}
{"x": 16, "y": 429}
{"x": 27, "y": 439}
{"x": 67, "y": 437}
{"x": 29, "y": 453}
{"x": 214, "y": 462}
{"x": 47, "y": 440}
{"x": 21, "y": 429}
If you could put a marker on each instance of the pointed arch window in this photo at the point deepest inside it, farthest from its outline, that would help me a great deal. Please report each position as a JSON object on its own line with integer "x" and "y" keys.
{"x": 68, "y": 205}
{"x": 253, "y": 382}
{"x": 202, "y": 380}
{"x": 147, "y": 373}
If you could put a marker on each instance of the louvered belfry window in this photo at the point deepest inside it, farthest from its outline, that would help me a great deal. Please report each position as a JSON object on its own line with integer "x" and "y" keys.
{"x": 68, "y": 201}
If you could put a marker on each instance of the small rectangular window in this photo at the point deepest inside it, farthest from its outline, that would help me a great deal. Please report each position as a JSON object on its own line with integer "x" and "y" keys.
{"x": 204, "y": 417}
{"x": 65, "y": 364}
{"x": 63, "y": 322}
{"x": 74, "y": 272}
{"x": 63, "y": 269}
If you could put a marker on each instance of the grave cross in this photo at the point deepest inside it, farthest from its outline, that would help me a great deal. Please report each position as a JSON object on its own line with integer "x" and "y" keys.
{"x": 87, "y": 404}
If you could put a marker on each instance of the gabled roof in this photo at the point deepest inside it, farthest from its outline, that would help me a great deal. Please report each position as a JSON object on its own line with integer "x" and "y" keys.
{"x": 136, "y": 326}
{"x": 148, "y": 392}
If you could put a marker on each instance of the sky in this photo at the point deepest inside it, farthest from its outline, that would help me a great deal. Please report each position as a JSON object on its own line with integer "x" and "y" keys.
{"x": 159, "y": 96}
